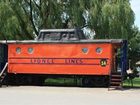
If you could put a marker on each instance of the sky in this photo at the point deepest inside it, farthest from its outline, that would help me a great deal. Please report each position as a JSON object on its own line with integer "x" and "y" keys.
{"x": 135, "y": 4}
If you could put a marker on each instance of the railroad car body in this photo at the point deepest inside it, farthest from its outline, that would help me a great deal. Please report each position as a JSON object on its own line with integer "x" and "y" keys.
{"x": 60, "y": 58}
{"x": 63, "y": 55}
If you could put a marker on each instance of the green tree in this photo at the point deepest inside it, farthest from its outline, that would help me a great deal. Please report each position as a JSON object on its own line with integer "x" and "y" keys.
{"x": 22, "y": 19}
{"x": 11, "y": 24}
{"x": 113, "y": 19}
{"x": 109, "y": 18}
{"x": 134, "y": 46}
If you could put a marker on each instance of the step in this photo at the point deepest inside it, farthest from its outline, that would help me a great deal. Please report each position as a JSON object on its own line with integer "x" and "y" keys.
{"x": 4, "y": 73}
{"x": 2, "y": 77}
{"x": 115, "y": 76}
{"x": 116, "y": 80}
{"x": 115, "y": 83}
{"x": 117, "y": 73}
{"x": 1, "y": 80}
{"x": 116, "y": 87}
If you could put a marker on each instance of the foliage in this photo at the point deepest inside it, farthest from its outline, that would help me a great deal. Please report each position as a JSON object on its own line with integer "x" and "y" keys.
{"x": 111, "y": 19}
{"x": 10, "y": 26}
{"x": 134, "y": 46}
{"x": 23, "y": 18}
{"x": 136, "y": 82}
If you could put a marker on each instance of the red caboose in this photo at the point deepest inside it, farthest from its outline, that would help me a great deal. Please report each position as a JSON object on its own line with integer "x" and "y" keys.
{"x": 65, "y": 53}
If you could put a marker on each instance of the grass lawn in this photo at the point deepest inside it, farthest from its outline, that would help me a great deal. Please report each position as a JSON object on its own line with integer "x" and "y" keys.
{"x": 62, "y": 81}
{"x": 136, "y": 82}
{"x": 72, "y": 82}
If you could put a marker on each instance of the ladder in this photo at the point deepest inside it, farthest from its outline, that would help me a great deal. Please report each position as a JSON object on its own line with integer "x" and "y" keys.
{"x": 3, "y": 74}
{"x": 116, "y": 81}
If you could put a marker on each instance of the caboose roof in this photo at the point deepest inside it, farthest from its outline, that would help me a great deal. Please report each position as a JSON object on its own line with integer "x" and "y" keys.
{"x": 117, "y": 41}
{"x": 57, "y": 30}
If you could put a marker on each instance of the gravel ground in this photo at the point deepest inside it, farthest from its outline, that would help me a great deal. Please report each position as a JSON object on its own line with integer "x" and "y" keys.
{"x": 35, "y": 95}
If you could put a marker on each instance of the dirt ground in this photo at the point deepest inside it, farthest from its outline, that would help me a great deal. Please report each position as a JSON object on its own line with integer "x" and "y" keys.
{"x": 35, "y": 95}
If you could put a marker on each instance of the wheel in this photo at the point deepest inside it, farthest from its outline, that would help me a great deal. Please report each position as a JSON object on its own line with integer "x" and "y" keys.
{"x": 0, "y": 84}
{"x": 101, "y": 81}
{"x": 87, "y": 81}
{"x": 97, "y": 81}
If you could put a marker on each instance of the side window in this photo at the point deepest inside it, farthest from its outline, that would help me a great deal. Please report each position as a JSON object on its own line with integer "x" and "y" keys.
{"x": 64, "y": 36}
{"x": 73, "y": 37}
{"x": 41, "y": 36}
{"x": 54, "y": 36}
{"x": 46, "y": 36}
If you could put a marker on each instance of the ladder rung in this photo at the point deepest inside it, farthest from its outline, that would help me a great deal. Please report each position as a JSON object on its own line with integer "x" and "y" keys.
{"x": 116, "y": 76}
{"x": 2, "y": 76}
{"x": 119, "y": 73}
{"x": 116, "y": 80}
{"x": 116, "y": 87}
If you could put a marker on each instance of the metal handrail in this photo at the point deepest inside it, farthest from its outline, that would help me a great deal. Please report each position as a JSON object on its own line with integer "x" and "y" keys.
{"x": 4, "y": 69}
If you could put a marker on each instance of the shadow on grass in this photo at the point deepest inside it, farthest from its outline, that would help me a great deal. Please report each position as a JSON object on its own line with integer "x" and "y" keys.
{"x": 134, "y": 84}
{"x": 65, "y": 82}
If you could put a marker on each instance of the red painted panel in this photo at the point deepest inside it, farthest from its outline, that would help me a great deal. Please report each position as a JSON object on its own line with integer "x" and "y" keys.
{"x": 60, "y": 59}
